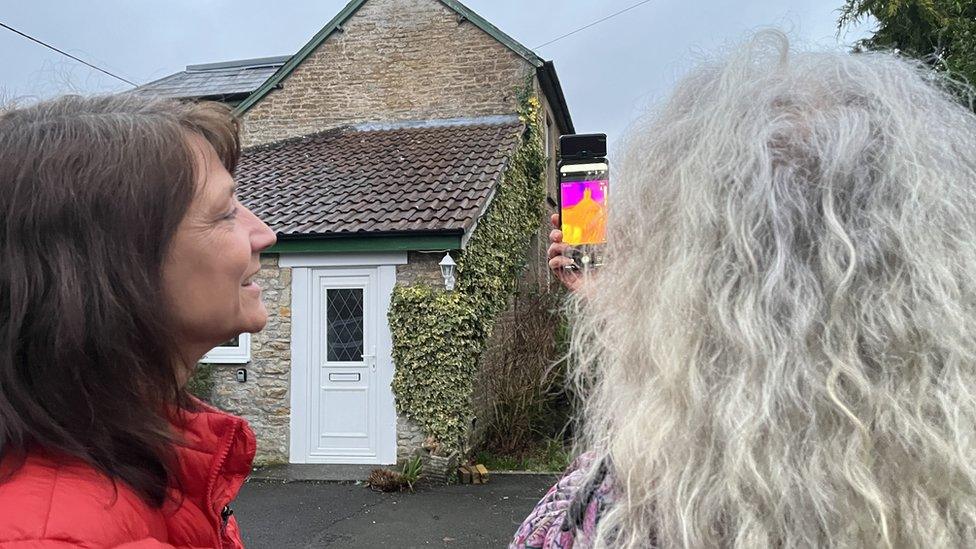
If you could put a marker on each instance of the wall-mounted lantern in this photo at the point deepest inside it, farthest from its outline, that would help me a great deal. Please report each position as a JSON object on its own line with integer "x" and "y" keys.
{"x": 447, "y": 271}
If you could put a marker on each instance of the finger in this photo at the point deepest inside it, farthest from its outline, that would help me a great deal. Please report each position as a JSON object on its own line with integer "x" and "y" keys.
{"x": 560, "y": 262}
{"x": 555, "y": 235}
{"x": 554, "y": 219}
{"x": 558, "y": 249}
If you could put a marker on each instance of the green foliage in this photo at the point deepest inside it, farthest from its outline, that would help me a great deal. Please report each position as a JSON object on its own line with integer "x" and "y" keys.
{"x": 489, "y": 268}
{"x": 940, "y": 32}
{"x": 201, "y": 383}
{"x": 438, "y": 336}
{"x": 412, "y": 469}
{"x": 434, "y": 343}
{"x": 547, "y": 456}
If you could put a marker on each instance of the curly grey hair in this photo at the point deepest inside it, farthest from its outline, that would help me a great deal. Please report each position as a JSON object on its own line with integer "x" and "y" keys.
{"x": 781, "y": 351}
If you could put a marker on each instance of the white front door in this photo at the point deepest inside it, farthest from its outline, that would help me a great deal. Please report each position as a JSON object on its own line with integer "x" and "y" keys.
{"x": 342, "y": 401}
{"x": 343, "y": 374}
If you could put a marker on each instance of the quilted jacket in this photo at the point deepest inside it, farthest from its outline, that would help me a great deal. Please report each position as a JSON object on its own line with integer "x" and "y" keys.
{"x": 53, "y": 502}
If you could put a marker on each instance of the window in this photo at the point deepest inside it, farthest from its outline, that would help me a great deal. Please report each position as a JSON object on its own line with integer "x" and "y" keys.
{"x": 344, "y": 324}
{"x": 234, "y": 351}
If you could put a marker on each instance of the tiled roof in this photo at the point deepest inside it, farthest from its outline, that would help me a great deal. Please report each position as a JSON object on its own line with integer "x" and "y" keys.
{"x": 216, "y": 79}
{"x": 428, "y": 177}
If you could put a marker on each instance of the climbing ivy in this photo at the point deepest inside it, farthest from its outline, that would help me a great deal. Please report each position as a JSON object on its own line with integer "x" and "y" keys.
{"x": 438, "y": 336}
{"x": 201, "y": 383}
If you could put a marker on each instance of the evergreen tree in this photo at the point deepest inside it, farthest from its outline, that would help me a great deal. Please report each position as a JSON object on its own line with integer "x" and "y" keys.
{"x": 941, "y": 33}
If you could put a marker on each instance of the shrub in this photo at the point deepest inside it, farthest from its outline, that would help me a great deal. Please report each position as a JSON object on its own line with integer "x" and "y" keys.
{"x": 385, "y": 480}
{"x": 412, "y": 470}
{"x": 520, "y": 402}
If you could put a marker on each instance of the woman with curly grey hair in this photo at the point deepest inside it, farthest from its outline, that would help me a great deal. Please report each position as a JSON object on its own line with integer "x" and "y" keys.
{"x": 781, "y": 351}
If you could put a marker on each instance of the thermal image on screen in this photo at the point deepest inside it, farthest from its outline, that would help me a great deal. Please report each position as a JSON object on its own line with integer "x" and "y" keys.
{"x": 584, "y": 211}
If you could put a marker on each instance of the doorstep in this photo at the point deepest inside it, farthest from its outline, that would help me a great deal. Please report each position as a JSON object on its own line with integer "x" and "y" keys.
{"x": 297, "y": 472}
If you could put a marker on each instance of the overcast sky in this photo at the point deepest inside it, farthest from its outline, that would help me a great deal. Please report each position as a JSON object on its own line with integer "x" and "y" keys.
{"x": 609, "y": 72}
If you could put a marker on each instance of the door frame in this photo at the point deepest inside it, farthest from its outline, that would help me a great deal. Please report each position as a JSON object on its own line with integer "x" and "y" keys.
{"x": 302, "y": 294}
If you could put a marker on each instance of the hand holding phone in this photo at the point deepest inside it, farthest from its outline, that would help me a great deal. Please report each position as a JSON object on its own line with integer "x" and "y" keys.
{"x": 560, "y": 264}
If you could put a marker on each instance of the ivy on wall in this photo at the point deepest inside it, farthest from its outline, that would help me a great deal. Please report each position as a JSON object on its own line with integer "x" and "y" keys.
{"x": 201, "y": 383}
{"x": 439, "y": 336}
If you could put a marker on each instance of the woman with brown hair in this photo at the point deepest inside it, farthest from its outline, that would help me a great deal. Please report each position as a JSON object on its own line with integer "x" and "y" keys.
{"x": 124, "y": 258}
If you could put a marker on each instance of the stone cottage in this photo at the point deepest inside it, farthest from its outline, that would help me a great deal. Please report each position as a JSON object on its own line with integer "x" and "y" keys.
{"x": 372, "y": 152}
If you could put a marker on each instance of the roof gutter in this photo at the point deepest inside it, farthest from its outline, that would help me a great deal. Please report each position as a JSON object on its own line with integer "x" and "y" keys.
{"x": 549, "y": 81}
{"x": 368, "y": 242}
{"x": 369, "y": 234}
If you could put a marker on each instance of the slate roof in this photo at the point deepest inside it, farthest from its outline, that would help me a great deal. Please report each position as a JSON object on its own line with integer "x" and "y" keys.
{"x": 427, "y": 177}
{"x": 216, "y": 80}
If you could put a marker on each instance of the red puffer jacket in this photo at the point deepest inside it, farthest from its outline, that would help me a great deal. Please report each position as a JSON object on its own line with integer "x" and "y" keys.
{"x": 53, "y": 503}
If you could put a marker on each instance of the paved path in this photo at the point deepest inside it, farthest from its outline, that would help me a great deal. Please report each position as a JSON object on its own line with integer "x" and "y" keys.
{"x": 315, "y": 514}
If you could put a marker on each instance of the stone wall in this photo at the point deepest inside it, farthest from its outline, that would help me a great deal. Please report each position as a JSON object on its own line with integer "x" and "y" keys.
{"x": 264, "y": 399}
{"x": 410, "y": 439}
{"x": 393, "y": 60}
{"x": 422, "y": 268}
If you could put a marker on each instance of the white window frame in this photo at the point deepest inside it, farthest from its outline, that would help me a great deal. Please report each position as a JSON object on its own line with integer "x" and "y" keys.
{"x": 231, "y": 355}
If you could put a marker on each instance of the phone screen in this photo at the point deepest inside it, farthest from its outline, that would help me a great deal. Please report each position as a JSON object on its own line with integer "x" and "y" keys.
{"x": 583, "y": 193}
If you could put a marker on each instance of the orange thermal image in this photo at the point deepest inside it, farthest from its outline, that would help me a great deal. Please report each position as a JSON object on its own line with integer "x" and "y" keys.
{"x": 584, "y": 212}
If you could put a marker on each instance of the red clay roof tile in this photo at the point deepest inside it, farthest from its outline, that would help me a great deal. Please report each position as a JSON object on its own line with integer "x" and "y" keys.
{"x": 431, "y": 178}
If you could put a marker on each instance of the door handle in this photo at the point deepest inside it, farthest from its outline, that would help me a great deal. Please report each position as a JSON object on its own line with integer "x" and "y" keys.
{"x": 371, "y": 360}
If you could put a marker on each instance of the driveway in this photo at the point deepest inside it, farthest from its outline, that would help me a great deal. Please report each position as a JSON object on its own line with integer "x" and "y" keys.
{"x": 278, "y": 515}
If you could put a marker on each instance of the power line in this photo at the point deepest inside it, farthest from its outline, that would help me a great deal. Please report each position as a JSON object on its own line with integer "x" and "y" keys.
{"x": 611, "y": 16}
{"x": 133, "y": 84}
{"x": 66, "y": 54}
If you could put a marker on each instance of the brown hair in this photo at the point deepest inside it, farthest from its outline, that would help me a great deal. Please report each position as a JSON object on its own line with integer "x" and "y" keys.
{"x": 91, "y": 193}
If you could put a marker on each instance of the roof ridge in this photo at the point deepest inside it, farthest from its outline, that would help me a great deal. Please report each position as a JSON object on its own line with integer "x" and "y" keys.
{"x": 240, "y": 63}
{"x": 228, "y": 78}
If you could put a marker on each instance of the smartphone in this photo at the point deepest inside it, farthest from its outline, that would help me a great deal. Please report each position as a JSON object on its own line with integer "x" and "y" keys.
{"x": 584, "y": 187}
{"x": 583, "y": 193}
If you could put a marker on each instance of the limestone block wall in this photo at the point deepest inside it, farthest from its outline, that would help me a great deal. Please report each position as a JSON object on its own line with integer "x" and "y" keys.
{"x": 264, "y": 399}
{"x": 410, "y": 439}
{"x": 422, "y": 268}
{"x": 393, "y": 60}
